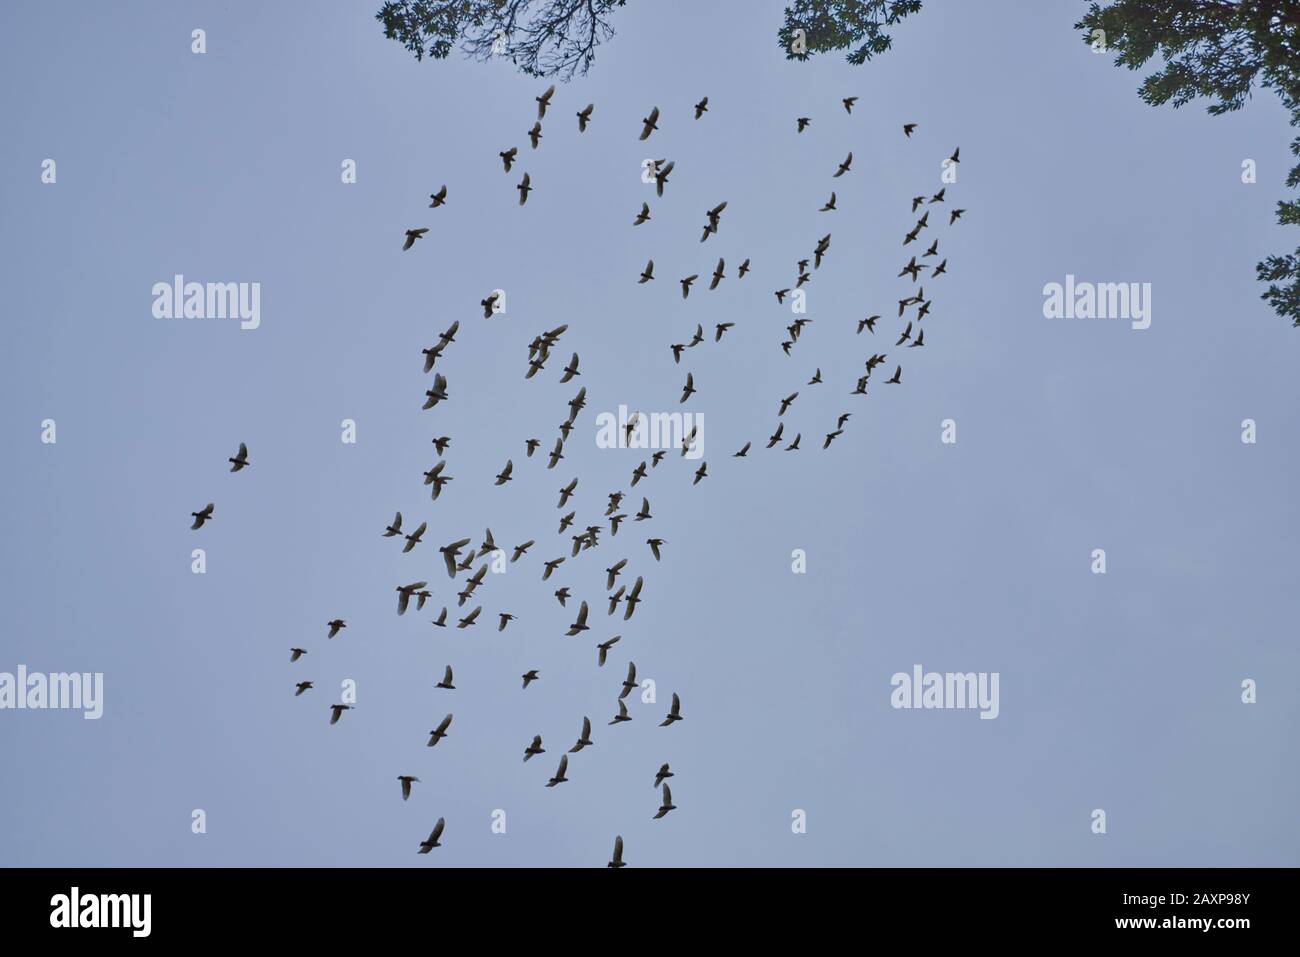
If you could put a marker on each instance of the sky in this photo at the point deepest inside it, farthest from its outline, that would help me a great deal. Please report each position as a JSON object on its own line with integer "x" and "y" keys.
{"x": 1119, "y": 692}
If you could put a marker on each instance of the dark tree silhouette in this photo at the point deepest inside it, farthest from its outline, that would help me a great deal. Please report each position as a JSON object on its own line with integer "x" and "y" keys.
{"x": 1218, "y": 49}
{"x": 837, "y": 24}
{"x": 559, "y": 37}
{"x": 541, "y": 37}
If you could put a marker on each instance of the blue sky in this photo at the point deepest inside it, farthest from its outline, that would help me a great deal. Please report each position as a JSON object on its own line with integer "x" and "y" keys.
{"x": 1119, "y": 692}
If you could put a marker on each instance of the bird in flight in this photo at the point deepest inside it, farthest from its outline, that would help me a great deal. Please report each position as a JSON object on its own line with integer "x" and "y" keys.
{"x": 534, "y": 748}
{"x": 446, "y": 682}
{"x": 535, "y": 134}
{"x": 450, "y": 553}
{"x": 404, "y": 593}
{"x": 803, "y": 122}
{"x": 334, "y": 626}
{"x": 439, "y": 198}
{"x": 667, "y": 805}
{"x": 848, "y": 102}
{"x": 240, "y": 460}
{"x": 302, "y": 686}
{"x": 406, "y": 780}
{"x": 414, "y": 538}
{"x": 718, "y": 276}
{"x": 649, "y": 123}
{"x": 412, "y": 235}
{"x": 201, "y": 516}
{"x": 584, "y": 739}
{"x": 437, "y": 394}
{"x": 701, "y": 107}
{"x": 435, "y": 478}
{"x": 559, "y": 777}
{"x": 633, "y": 597}
{"x": 617, "y": 860}
{"x": 715, "y": 217}
{"x": 580, "y": 624}
{"x": 296, "y": 653}
{"x": 603, "y": 649}
{"x": 661, "y": 176}
{"x": 566, "y": 493}
{"x": 544, "y": 101}
{"x": 508, "y": 157}
{"x": 432, "y": 842}
{"x": 584, "y": 117}
{"x": 674, "y": 713}
{"x": 843, "y": 167}
{"x": 336, "y": 712}
{"x": 524, "y": 187}
{"x": 440, "y": 732}
{"x": 662, "y": 773}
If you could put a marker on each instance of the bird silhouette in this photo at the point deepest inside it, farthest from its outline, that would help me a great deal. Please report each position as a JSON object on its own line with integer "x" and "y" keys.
{"x": 584, "y": 739}
{"x": 667, "y": 804}
{"x": 649, "y": 124}
{"x": 433, "y": 840}
{"x": 201, "y": 516}
{"x": 617, "y": 860}
{"x": 440, "y": 732}
{"x": 559, "y": 777}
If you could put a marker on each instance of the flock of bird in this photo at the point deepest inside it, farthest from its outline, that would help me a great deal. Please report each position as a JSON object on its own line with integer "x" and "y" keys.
{"x": 459, "y": 555}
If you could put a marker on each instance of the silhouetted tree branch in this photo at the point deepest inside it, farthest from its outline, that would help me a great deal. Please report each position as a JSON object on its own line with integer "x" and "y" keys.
{"x": 1218, "y": 49}
{"x": 837, "y": 24}
{"x": 541, "y": 37}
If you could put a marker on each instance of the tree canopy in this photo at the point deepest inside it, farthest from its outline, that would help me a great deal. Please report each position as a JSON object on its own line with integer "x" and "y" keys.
{"x": 819, "y": 26}
{"x": 1218, "y": 50}
{"x": 541, "y": 37}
